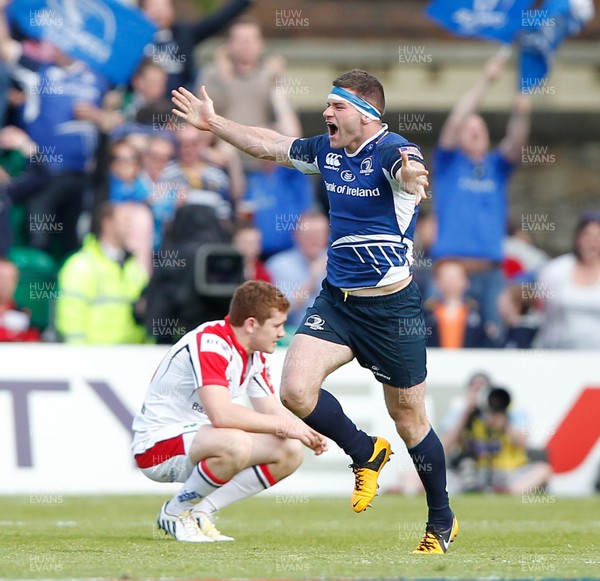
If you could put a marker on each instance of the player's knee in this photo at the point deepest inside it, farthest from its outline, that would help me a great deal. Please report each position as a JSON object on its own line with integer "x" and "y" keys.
{"x": 298, "y": 398}
{"x": 291, "y": 454}
{"x": 409, "y": 420}
{"x": 235, "y": 449}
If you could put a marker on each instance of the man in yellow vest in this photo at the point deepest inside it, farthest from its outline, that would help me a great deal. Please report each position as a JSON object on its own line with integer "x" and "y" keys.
{"x": 100, "y": 284}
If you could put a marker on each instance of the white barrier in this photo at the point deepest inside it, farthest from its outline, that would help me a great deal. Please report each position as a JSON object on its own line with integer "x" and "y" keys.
{"x": 65, "y": 415}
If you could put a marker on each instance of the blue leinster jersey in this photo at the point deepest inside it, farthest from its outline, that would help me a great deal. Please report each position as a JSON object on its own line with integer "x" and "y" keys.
{"x": 372, "y": 219}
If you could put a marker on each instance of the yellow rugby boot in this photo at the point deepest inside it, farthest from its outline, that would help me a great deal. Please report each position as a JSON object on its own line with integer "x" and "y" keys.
{"x": 365, "y": 486}
{"x": 436, "y": 542}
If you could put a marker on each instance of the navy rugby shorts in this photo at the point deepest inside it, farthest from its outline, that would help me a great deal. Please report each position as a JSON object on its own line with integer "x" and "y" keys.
{"x": 386, "y": 333}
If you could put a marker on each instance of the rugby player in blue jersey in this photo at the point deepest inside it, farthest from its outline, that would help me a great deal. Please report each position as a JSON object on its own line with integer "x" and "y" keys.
{"x": 369, "y": 307}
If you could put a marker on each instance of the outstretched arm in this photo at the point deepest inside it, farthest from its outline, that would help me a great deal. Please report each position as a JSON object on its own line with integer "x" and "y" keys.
{"x": 469, "y": 103}
{"x": 517, "y": 130}
{"x": 255, "y": 141}
{"x": 212, "y": 23}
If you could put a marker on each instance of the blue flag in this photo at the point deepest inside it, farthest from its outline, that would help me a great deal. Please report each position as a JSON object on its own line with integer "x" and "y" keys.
{"x": 106, "y": 34}
{"x": 498, "y": 20}
{"x": 544, "y": 31}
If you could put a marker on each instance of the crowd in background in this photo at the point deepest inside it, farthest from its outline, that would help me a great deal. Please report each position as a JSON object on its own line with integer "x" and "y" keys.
{"x": 130, "y": 227}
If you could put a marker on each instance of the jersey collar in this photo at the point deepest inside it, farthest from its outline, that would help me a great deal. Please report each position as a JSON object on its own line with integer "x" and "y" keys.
{"x": 377, "y": 136}
{"x": 234, "y": 340}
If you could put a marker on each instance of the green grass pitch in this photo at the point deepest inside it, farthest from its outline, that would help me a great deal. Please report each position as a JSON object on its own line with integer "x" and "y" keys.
{"x": 291, "y": 537}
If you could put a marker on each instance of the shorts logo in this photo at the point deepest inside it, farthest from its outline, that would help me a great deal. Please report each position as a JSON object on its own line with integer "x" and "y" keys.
{"x": 366, "y": 166}
{"x": 377, "y": 372}
{"x": 348, "y": 176}
{"x": 315, "y": 323}
{"x": 332, "y": 161}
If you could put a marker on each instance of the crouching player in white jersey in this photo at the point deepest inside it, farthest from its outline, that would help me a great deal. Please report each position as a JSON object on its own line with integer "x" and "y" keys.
{"x": 190, "y": 428}
{"x": 369, "y": 307}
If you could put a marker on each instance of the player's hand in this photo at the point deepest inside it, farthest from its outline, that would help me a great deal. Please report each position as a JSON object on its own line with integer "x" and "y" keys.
{"x": 414, "y": 179}
{"x": 196, "y": 111}
{"x": 317, "y": 443}
{"x": 298, "y": 430}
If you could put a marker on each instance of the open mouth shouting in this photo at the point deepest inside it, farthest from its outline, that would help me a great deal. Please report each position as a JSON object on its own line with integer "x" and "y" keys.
{"x": 332, "y": 128}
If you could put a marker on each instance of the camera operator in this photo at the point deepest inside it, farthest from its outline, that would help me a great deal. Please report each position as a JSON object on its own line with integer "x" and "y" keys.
{"x": 488, "y": 450}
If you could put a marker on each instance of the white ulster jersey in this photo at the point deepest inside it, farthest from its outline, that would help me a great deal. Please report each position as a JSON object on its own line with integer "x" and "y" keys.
{"x": 208, "y": 355}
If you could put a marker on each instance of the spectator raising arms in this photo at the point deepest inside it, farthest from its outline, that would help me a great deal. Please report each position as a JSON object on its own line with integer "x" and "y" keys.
{"x": 174, "y": 42}
{"x": 471, "y": 191}
{"x": 244, "y": 84}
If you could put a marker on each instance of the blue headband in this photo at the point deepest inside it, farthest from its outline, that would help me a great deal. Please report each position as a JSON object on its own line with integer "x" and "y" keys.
{"x": 362, "y": 106}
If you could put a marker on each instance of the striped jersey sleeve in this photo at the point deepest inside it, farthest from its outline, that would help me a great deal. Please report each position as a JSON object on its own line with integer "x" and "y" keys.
{"x": 303, "y": 153}
{"x": 391, "y": 155}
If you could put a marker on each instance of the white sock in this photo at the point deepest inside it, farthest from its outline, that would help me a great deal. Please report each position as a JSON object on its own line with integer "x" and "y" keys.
{"x": 200, "y": 483}
{"x": 244, "y": 484}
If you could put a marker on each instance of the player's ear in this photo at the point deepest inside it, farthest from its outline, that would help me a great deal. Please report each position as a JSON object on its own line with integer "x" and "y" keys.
{"x": 250, "y": 324}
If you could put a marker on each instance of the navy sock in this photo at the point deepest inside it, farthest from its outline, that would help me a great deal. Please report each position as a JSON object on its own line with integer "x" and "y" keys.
{"x": 329, "y": 419}
{"x": 430, "y": 462}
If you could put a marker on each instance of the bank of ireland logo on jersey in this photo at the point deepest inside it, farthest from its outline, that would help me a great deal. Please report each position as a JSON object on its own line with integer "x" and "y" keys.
{"x": 315, "y": 323}
{"x": 366, "y": 166}
{"x": 332, "y": 161}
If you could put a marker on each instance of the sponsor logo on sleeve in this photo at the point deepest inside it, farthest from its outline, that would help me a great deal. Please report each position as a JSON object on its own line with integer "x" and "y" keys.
{"x": 411, "y": 150}
{"x": 214, "y": 344}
